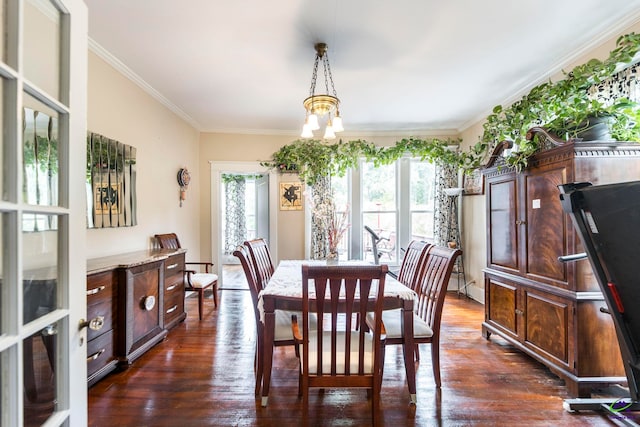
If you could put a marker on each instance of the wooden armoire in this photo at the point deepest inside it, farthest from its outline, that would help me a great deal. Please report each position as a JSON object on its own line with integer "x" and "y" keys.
{"x": 551, "y": 310}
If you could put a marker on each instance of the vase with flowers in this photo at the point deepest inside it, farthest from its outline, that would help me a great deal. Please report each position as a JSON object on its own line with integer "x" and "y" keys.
{"x": 328, "y": 224}
{"x": 337, "y": 226}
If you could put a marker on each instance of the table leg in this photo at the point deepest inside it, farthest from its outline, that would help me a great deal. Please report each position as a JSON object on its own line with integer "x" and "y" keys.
{"x": 267, "y": 347}
{"x": 408, "y": 347}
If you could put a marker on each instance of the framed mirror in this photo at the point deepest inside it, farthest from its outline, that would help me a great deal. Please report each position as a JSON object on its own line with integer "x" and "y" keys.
{"x": 111, "y": 183}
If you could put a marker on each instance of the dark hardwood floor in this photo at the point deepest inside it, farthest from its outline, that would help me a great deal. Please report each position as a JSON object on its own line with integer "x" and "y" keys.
{"x": 202, "y": 375}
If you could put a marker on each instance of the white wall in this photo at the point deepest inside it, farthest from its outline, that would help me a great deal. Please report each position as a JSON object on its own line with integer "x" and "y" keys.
{"x": 121, "y": 110}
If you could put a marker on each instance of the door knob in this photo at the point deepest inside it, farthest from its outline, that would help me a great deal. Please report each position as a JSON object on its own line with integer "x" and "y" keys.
{"x": 94, "y": 324}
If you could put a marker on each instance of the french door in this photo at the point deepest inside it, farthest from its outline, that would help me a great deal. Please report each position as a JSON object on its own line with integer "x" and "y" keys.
{"x": 43, "y": 85}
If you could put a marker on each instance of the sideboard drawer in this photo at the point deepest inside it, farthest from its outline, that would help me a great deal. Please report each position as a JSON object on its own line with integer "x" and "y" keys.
{"x": 100, "y": 287}
{"x": 100, "y": 353}
{"x": 104, "y": 309}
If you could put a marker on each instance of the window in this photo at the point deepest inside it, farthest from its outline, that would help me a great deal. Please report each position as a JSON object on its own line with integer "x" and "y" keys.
{"x": 396, "y": 201}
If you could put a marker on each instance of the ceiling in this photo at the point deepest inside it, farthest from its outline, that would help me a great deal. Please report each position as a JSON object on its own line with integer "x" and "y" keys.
{"x": 405, "y": 67}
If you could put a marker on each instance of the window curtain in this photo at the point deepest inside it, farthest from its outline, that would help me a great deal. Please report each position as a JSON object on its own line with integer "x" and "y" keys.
{"x": 320, "y": 195}
{"x": 445, "y": 225}
{"x": 235, "y": 232}
{"x": 624, "y": 84}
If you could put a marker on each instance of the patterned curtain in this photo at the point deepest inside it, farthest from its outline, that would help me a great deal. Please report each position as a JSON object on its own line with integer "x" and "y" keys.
{"x": 320, "y": 195}
{"x": 235, "y": 219}
{"x": 624, "y": 84}
{"x": 445, "y": 225}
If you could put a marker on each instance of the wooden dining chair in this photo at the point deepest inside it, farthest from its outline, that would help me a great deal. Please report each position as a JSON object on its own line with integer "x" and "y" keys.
{"x": 337, "y": 352}
{"x": 261, "y": 259}
{"x": 195, "y": 280}
{"x": 283, "y": 336}
{"x": 412, "y": 263}
{"x": 431, "y": 288}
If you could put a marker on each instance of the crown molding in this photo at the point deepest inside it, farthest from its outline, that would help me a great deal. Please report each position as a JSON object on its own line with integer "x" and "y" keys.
{"x": 621, "y": 27}
{"x": 128, "y": 73}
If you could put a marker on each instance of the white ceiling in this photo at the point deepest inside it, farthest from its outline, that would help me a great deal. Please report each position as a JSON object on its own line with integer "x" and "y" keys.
{"x": 404, "y": 66}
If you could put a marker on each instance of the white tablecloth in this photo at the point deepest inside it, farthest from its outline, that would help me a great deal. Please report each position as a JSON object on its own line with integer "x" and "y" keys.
{"x": 287, "y": 282}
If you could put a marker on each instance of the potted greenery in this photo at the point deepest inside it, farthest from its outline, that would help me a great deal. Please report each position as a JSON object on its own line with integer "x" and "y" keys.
{"x": 566, "y": 109}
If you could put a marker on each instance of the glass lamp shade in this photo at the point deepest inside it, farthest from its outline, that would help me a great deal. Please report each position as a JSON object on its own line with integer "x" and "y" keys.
{"x": 337, "y": 124}
{"x": 306, "y": 131}
{"x": 328, "y": 132}
{"x": 312, "y": 121}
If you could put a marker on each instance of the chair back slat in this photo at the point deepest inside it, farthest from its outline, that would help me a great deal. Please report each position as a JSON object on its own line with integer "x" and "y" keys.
{"x": 431, "y": 291}
{"x": 413, "y": 263}
{"x": 168, "y": 241}
{"x": 261, "y": 259}
{"x": 242, "y": 253}
{"x": 343, "y": 294}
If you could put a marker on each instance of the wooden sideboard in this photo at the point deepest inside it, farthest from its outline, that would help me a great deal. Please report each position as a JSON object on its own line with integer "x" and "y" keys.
{"x": 133, "y": 300}
{"x": 546, "y": 308}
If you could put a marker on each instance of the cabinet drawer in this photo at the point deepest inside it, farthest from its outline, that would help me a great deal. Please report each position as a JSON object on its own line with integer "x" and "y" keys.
{"x": 104, "y": 309}
{"x": 173, "y": 306}
{"x": 100, "y": 287}
{"x": 100, "y": 352}
{"x": 174, "y": 267}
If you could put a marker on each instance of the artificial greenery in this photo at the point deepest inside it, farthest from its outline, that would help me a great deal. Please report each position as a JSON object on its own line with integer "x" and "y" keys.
{"x": 563, "y": 107}
{"x": 314, "y": 159}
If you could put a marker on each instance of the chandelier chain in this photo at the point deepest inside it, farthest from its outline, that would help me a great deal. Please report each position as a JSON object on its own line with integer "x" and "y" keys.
{"x": 327, "y": 72}
{"x": 314, "y": 76}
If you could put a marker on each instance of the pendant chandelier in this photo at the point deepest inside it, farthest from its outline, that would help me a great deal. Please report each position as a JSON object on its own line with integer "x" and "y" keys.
{"x": 324, "y": 104}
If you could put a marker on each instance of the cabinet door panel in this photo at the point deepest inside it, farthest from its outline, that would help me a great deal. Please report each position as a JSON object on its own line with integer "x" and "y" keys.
{"x": 146, "y": 300}
{"x": 546, "y": 225}
{"x": 547, "y": 325}
{"x": 503, "y": 233}
{"x": 502, "y": 305}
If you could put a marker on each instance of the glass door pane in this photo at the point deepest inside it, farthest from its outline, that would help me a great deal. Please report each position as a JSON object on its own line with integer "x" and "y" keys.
{"x": 379, "y": 209}
{"x": 421, "y": 199}
{"x": 42, "y": 45}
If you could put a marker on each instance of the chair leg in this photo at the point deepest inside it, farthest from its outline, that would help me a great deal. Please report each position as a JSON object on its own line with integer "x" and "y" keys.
{"x": 259, "y": 362}
{"x": 214, "y": 289}
{"x": 435, "y": 361}
{"x": 200, "y": 302}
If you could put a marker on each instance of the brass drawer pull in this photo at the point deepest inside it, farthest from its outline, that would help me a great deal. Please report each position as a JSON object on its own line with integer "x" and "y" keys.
{"x": 94, "y": 356}
{"x": 172, "y": 309}
{"x": 172, "y": 266}
{"x": 95, "y": 290}
{"x": 172, "y": 287}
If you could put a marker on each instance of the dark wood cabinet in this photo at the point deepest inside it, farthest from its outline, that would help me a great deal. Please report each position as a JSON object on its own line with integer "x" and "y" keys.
{"x": 174, "y": 291}
{"x": 136, "y": 298}
{"x": 549, "y": 309}
{"x": 101, "y": 308}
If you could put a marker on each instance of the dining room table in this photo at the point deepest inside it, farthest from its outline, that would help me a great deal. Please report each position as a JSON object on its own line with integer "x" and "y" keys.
{"x": 284, "y": 292}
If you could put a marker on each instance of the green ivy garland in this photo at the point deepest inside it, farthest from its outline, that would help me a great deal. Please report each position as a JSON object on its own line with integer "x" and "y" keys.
{"x": 313, "y": 158}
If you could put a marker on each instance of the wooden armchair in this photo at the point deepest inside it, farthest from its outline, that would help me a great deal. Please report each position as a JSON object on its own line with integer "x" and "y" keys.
{"x": 195, "y": 280}
{"x": 337, "y": 352}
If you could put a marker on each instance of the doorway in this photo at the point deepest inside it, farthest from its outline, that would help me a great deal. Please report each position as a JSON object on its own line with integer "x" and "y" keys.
{"x": 243, "y": 207}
